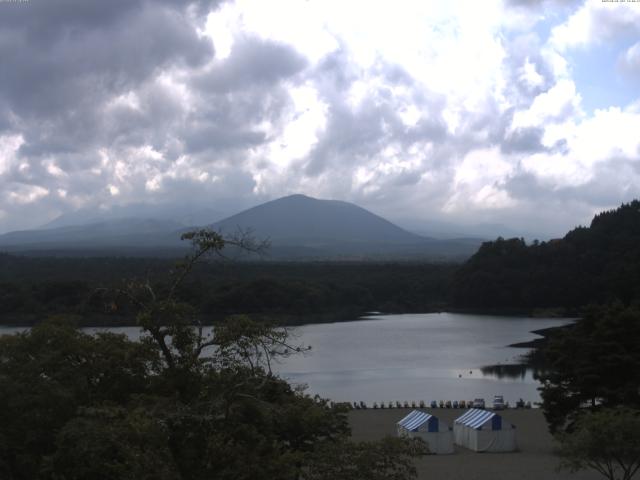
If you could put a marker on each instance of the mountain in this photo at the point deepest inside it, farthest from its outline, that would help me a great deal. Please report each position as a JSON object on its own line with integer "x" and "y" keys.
{"x": 183, "y": 214}
{"x": 303, "y": 227}
{"x": 301, "y": 220}
{"x": 298, "y": 227}
{"x": 122, "y": 235}
{"x": 482, "y": 231}
{"x": 595, "y": 264}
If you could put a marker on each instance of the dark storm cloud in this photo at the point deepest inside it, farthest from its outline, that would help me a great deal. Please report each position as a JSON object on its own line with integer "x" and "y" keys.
{"x": 232, "y": 122}
{"x": 252, "y": 63}
{"x": 68, "y": 60}
{"x": 214, "y": 137}
{"x": 78, "y": 67}
{"x": 44, "y": 20}
{"x": 238, "y": 93}
{"x": 64, "y": 63}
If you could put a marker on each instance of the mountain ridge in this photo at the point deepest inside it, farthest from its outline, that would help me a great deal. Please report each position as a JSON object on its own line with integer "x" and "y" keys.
{"x": 313, "y": 218}
{"x": 299, "y": 228}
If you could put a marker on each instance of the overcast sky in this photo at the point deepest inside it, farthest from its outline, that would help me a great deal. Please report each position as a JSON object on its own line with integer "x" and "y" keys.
{"x": 520, "y": 112}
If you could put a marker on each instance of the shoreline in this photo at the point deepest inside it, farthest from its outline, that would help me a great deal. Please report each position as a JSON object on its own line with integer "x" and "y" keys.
{"x": 545, "y": 333}
{"x": 534, "y": 459}
{"x": 285, "y": 320}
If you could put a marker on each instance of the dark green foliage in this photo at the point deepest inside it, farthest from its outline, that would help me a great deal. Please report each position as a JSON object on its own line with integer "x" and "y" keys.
{"x": 31, "y": 288}
{"x": 47, "y": 374}
{"x": 177, "y": 405}
{"x": 595, "y": 364}
{"x": 598, "y": 264}
{"x": 78, "y": 407}
{"x": 390, "y": 459}
{"x": 112, "y": 443}
{"x": 607, "y": 441}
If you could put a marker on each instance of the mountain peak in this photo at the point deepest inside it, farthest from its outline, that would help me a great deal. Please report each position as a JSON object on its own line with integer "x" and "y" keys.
{"x": 298, "y": 226}
{"x": 297, "y": 196}
{"x": 297, "y": 217}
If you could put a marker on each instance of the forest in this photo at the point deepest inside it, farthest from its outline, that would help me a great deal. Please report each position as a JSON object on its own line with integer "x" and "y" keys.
{"x": 597, "y": 264}
{"x": 288, "y": 292}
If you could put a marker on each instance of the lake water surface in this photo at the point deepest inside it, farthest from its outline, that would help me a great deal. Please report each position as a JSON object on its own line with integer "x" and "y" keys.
{"x": 416, "y": 357}
{"x": 409, "y": 357}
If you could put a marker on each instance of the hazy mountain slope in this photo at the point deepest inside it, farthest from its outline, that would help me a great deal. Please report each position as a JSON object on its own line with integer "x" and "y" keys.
{"x": 184, "y": 215}
{"x": 299, "y": 227}
{"x": 298, "y": 219}
{"x": 122, "y": 232}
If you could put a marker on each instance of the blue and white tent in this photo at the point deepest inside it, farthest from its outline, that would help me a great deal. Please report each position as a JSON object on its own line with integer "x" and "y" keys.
{"x": 484, "y": 431}
{"x": 429, "y": 428}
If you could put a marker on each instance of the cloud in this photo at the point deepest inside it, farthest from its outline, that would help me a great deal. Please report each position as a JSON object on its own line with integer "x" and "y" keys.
{"x": 252, "y": 63}
{"x": 629, "y": 62}
{"x": 596, "y": 22}
{"x": 468, "y": 111}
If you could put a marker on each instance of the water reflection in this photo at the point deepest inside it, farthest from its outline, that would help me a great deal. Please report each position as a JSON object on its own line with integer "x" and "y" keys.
{"x": 512, "y": 372}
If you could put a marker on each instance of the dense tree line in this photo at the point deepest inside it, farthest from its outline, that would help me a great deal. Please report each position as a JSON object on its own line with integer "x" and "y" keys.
{"x": 593, "y": 365}
{"x": 31, "y": 288}
{"x": 590, "y": 389}
{"x": 596, "y": 264}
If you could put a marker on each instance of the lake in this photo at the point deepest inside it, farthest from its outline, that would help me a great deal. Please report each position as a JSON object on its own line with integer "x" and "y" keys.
{"x": 416, "y": 357}
{"x": 410, "y": 357}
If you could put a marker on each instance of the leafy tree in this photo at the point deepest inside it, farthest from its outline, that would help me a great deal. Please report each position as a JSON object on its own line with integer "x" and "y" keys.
{"x": 595, "y": 364}
{"x": 607, "y": 441}
{"x": 389, "y": 459}
{"x": 46, "y": 374}
{"x": 179, "y": 404}
{"x": 112, "y": 443}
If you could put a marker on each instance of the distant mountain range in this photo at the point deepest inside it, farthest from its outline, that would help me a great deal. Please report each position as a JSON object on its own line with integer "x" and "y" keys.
{"x": 304, "y": 227}
{"x": 185, "y": 215}
{"x": 298, "y": 227}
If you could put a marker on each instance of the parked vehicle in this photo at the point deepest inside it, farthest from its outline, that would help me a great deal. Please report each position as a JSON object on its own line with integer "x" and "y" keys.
{"x": 455, "y": 404}
{"x": 462, "y": 404}
{"x": 447, "y": 404}
{"x": 498, "y": 402}
{"x": 478, "y": 403}
{"x": 434, "y": 404}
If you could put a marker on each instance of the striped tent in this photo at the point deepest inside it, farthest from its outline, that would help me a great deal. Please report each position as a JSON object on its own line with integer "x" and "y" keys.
{"x": 436, "y": 434}
{"x": 484, "y": 431}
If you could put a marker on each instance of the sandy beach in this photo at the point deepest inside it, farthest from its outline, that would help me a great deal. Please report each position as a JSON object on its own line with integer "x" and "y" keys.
{"x": 534, "y": 459}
